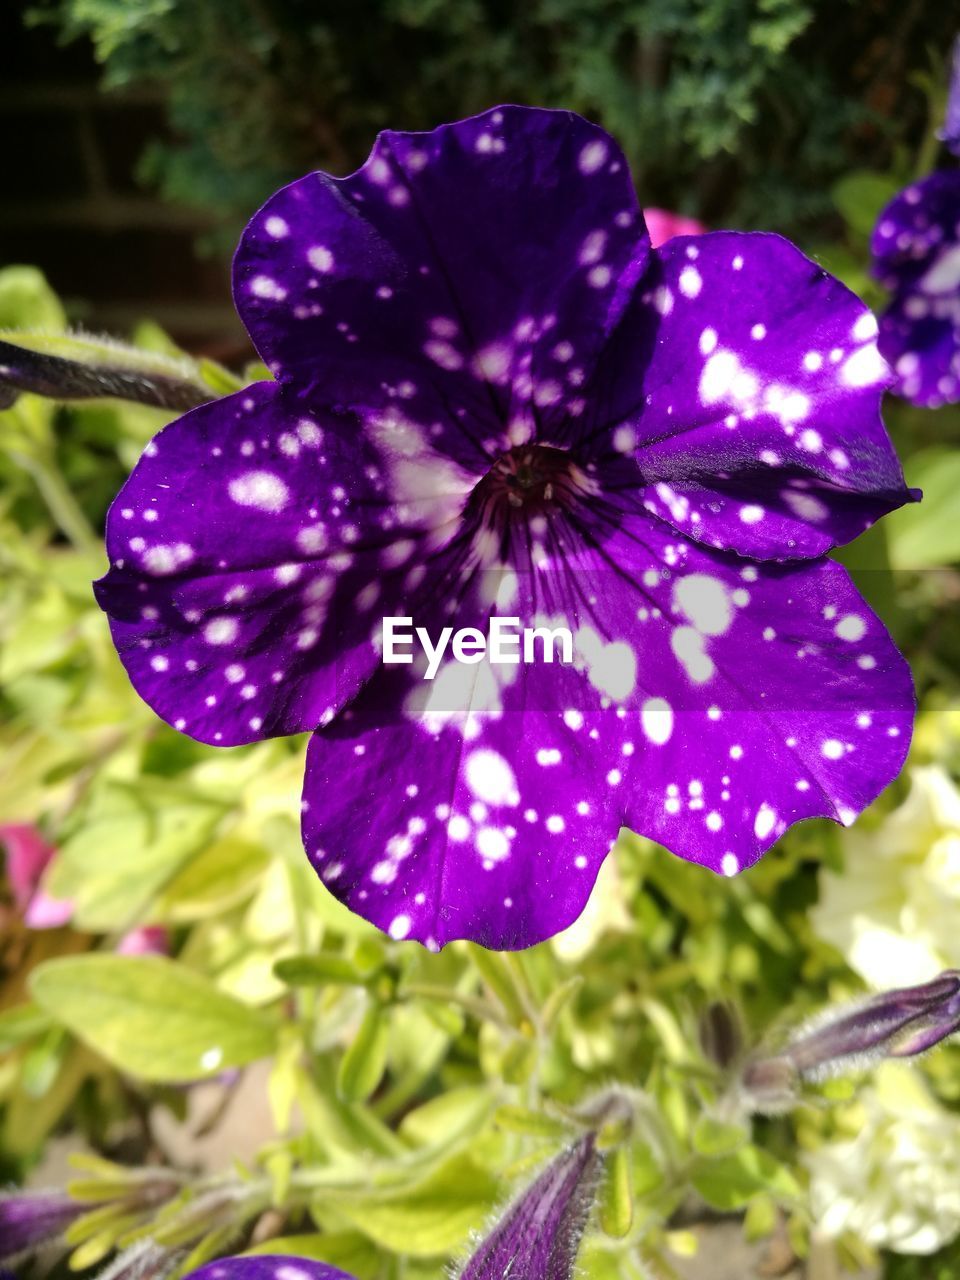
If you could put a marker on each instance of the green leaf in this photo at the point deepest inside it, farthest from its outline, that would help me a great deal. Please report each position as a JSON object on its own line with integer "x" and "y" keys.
{"x": 363, "y": 1064}
{"x": 349, "y": 1250}
{"x": 436, "y": 1216}
{"x": 927, "y": 535}
{"x": 320, "y": 970}
{"x": 460, "y": 1111}
{"x": 150, "y": 1016}
{"x": 714, "y": 1138}
{"x": 616, "y": 1197}
{"x": 730, "y": 1182}
{"x": 859, "y": 196}
{"x": 28, "y": 302}
{"x": 220, "y": 876}
{"x": 20, "y": 1024}
{"x": 128, "y": 846}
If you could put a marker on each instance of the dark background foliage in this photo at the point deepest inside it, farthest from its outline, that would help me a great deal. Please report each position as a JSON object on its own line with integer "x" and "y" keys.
{"x": 742, "y": 112}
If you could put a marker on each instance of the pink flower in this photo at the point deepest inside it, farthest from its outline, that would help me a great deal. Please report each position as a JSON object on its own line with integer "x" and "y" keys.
{"x": 664, "y": 225}
{"x": 28, "y": 855}
{"x": 145, "y": 940}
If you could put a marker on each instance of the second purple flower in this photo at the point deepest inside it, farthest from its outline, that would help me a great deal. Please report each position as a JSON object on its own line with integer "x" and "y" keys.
{"x": 494, "y": 399}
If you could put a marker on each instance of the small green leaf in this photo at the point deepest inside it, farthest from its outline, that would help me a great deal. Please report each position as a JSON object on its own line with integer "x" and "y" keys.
{"x": 21, "y": 1023}
{"x": 130, "y": 844}
{"x": 221, "y": 875}
{"x": 714, "y": 1138}
{"x": 860, "y": 196}
{"x": 927, "y": 535}
{"x": 349, "y": 1250}
{"x": 28, "y": 302}
{"x": 534, "y": 1123}
{"x": 150, "y": 1016}
{"x": 363, "y": 1064}
{"x": 217, "y": 378}
{"x": 434, "y": 1217}
{"x": 318, "y": 970}
{"x": 731, "y": 1181}
{"x": 616, "y": 1197}
{"x": 497, "y": 974}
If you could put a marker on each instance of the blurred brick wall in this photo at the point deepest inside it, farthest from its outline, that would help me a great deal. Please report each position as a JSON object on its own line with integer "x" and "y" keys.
{"x": 70, "y": 204}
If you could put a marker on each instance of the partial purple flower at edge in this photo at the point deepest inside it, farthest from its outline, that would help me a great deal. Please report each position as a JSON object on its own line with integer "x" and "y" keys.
{"x": 493, "y": 398}
{"x": 949, "y": 135}
{"x": 916, "y": 255}
{"x": 29, "y": 1219}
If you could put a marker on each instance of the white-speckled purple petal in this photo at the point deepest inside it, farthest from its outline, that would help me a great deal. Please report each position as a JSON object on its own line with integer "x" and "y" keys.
{"x": 472, "y": 274}
{"x": 253, "y": 552}
{"x": 746, "y": 383}
{"x": 268, "y": 1267}
{"x": 711, "y": 703}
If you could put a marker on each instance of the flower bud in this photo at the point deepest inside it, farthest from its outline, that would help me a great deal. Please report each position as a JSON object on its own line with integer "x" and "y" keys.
{"x": 539, "y": 1235}
{"x": 34, "y": 1218}
{"x": 721, "y": 1034}
{"x": 894, "y": 1024}
{"x": 81, "y": 368}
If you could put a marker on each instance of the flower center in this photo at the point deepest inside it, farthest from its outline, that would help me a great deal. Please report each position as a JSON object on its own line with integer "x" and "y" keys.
{"x": 528, "y": 480}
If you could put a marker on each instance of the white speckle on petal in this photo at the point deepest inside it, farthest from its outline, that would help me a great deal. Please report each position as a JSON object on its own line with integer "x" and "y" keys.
{"x": 260, "y": 489}
{"x": 320, "y": 258}
{"x": 851, "y": 627}
{"x": 764, "y": 822}
{"x": 656, "y": 717}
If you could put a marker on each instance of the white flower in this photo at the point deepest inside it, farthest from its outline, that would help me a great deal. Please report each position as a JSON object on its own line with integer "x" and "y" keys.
{"x": 896, "y": 1185}
{"x": 893, "y": 911}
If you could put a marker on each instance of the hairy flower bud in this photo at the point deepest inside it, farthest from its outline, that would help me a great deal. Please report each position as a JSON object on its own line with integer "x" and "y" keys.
{"x": 34, "y": 1218}
{"x": 893, "y": 1024}
{"x": 80, "y": 368}
{"x": 539, "y": 1235}
{"x": 721, "y": 1034}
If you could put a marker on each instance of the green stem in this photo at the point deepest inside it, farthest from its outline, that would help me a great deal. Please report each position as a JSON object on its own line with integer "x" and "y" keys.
{"x": 474, "y": 1005}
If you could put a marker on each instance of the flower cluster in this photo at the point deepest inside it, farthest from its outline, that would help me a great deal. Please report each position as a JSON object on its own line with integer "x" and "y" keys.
{"x": 493, "y": 397}
{"x": 895, "y": 1183}
{"x": 893, "y": 911}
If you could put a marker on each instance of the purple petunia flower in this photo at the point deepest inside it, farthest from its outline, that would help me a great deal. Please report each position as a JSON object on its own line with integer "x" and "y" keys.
{"x": 494, "y": 399}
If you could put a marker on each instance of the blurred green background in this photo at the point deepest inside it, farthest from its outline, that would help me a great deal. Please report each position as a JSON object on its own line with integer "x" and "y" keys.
{"x": 295, "y": 1076}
